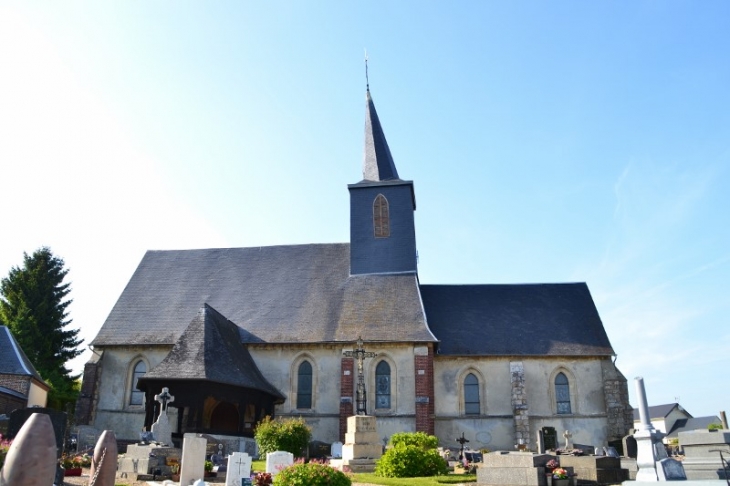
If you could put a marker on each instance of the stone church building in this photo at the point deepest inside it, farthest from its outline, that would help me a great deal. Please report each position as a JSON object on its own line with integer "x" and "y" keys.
{"x": 240, "y": 333}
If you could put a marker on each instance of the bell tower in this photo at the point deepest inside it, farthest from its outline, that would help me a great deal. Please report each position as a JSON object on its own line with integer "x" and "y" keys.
{"x": 382, "y": 206}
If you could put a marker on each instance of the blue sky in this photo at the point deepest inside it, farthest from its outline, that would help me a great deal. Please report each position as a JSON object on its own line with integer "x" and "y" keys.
{"x": 548, "y": 142}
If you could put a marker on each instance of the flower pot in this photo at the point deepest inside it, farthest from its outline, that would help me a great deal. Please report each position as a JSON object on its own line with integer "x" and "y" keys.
{"x": 175, "y": 477}
{"x": 561, "y": 482}
{"x": 72, "y": 471}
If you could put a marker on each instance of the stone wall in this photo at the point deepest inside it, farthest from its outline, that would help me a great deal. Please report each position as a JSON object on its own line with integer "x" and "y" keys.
{"x": 619, "y": 413}
{"x": 19, "y": 383}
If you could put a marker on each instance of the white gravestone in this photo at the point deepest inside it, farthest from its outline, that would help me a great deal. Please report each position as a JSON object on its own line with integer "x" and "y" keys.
{"x": 161, "y": 429}
{"x": 239, "y": 467}
{"x": 336, "y": 450}
{"x": 276, "y": 461}
{"x": 192, "y": 466}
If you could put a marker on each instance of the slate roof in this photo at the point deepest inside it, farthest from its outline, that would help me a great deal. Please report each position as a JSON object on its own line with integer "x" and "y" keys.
{"x": 12, "y": 393}
{"x": 519, "y": 320}
{"x": 378, "y": 163}
{"x": 660, "y": 411}
{"x": 210, "y": 349}
{"x": 275, "y": 294}
{"x": 13, "y": 360}
{"x": 695, "y": 423}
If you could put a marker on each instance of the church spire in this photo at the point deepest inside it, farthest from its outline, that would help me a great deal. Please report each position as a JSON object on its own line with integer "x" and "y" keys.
{"x": 377, "y": 164}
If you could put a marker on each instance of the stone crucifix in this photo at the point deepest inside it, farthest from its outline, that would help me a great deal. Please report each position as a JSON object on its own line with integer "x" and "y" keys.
{"x": 360, "y": 354}
{"x": 567, "y": 435}
{"x": 164, "y": 398}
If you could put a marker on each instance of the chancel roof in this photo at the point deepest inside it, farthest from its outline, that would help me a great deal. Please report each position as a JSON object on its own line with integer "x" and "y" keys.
{"x": 13, "y": 360}
{"x": 519, "y": 320}
{"x": 276, "y": 294}
{"x": 210, "y": 349}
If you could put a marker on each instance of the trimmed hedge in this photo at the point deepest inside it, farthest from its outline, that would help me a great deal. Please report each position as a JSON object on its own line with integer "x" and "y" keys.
{"x": 311, "y": 474}
{"x": 291, "y": 435}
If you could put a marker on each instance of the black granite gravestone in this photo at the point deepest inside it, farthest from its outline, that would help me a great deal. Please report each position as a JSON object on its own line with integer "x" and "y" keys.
{"x": 58, "y": 420}
{"x": 550, "y": 436}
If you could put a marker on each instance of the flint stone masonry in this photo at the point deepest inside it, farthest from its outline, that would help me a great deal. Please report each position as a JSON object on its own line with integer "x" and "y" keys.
{"x": 596, "y": 469}
{"x": 519, "y": 402}
{"x": 514, "y": 468}
{"x": 699, "y": 462}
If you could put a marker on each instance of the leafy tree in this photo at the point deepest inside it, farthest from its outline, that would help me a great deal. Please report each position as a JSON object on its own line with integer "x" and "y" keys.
{"x": 33, "y": 305}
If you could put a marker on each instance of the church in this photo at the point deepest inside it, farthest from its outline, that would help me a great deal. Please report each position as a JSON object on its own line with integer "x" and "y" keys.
{"x": 237, "y": 334}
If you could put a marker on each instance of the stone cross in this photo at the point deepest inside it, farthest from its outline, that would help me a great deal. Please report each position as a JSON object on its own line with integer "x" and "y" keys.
{"x": 164, "y": 398}
{"x": 360, "y": 354}
{"x": 568, "y": 436}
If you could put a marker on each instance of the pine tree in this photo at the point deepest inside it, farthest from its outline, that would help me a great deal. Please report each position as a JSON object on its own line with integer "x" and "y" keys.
{"x": 33, "y": 306}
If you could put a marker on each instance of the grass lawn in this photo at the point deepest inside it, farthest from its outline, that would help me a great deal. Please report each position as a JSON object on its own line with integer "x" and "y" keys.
{"x": 259, "y": 466}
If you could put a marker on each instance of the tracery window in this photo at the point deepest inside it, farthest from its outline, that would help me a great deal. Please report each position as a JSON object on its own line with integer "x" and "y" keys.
{"x": 471, "y": 395}
{"x": 136, "y": 397}
{"x": 562, "y": 394}
{"x": 381, "y": 217}
{"x": 304, "y": 385}
{"x": 382, "y": 385}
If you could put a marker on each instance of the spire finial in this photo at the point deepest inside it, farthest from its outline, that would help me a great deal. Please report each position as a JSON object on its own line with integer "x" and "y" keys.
{"x": 367, "y": 81}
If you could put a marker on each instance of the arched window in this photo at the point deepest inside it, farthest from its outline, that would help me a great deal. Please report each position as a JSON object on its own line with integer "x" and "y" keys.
{"x": 382, "y": 385}
{"x": 381, "y": 217}
{"x": 136, "y": 397}
{"x": 304, "y": 385}
{"x": 562, "y": 394}
{"x": 471, "y": 395}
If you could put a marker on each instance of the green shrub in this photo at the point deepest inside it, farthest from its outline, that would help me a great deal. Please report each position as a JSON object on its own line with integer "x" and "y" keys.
{"x": 311, "y": 474}
{"x": 418, "y": 439}
{"x": 714, "y": 427}
{"x": 410, "y": 461}
{"x": 291, "y": 435}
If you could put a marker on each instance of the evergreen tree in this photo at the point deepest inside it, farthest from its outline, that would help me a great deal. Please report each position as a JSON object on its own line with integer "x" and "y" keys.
{"x": 33, "y": 306}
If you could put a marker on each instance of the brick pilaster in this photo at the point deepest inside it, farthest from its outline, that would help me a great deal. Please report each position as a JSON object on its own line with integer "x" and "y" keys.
{"x": 347, "y": 380}
{"x": 425, "y": 408}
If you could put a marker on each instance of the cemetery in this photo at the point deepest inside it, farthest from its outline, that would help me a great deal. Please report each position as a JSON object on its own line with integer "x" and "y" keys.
{"x": 37, "y": 456}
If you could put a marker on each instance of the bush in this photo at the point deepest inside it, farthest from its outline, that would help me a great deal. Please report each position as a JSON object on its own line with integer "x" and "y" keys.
{"x": 418, "y": 439}
{"x": 410, "y": 461}
{"x": 291, "y": 435}
{"x": 311, "y": 474}
{"x": 714, "y": 427}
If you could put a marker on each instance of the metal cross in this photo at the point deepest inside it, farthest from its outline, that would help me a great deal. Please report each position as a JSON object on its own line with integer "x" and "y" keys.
{"x": 462, "y": 440}
{"x": 360, "y": 354}
{"x": 164, "y": 398}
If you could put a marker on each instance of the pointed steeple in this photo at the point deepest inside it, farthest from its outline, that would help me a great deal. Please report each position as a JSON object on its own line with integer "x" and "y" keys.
{"x": 377, "y": 164}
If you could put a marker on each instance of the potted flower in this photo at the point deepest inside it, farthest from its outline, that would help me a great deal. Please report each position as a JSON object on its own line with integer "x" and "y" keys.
{"x": 552, "y": 464}
{"x": 208, "y": 469}
{"x": 71, "y": 465}
{"x": 560, "y": 477}
{"x": 4, "y": 446}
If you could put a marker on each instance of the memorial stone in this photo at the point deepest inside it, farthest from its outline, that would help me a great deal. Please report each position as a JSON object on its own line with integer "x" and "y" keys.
{"x": 336, "y": 450}
{"x": 278, "y": 460}
{"x": 161, "y": 429}
{"x": 670, "y": 470}
{"x": 551, "y": 438}
{"x": 104, "y": 462}
{"x": 192, "y": 466}
{"x": 239, "y": 468}
{"x": 58, "y": 422}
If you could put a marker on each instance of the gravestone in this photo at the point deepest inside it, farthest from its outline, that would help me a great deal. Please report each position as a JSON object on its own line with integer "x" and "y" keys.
{"x": 568, "y": 442}
{"x": 596, "y": 469}
{"x": 629, "y": 446}
{"x": 611, "y": 452}
{"x": 161, "y": 429}
{"x": 540, "y": 442}
{"x": 551, "y": 438}
{"x": 515, "y": 469}
{"x": 701, "y": 456}
{"x": 670, "y": 470}
{"x": 239, "y": 468}
{"x": 278, "y": 460}
{"x": 192, "y": 466}
{"x": 336, "y": 450}
{"x": 58, "y": 422}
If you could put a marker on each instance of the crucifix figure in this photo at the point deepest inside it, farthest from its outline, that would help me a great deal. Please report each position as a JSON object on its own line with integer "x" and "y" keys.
{"x": 164, "y": 398}
{"x": 360, "y": 354}
{"x": 462, "y": 440}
